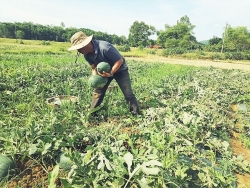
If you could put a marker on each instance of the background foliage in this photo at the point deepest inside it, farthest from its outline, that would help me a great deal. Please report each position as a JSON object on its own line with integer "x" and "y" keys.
{"x": 173, "y": 38}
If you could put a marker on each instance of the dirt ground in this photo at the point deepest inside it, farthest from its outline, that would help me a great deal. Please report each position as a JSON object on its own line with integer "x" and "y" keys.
{"x": 242, "y": 65}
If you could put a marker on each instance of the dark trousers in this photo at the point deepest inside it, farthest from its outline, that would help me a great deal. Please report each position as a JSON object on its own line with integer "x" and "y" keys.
{"x": 124, "y": 82}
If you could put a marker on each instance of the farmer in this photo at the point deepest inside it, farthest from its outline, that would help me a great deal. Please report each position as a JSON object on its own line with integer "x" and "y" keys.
{"x": 96, "y": 51}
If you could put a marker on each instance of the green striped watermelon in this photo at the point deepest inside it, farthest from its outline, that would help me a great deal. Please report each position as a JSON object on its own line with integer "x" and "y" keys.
{"x": 103, "y": 66}
{"x": 64, "y": 162}
{"x": 97, "y": 81}
{"x": 6, "y": 166}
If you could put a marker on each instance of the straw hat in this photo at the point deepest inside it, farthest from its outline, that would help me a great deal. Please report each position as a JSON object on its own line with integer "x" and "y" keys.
{"x": 79, "y": 40}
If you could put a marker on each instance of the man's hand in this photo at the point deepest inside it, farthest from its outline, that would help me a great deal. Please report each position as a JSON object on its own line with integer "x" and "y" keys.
{"x": 93, "y": 67}
{"x": 105, "y": 74}
{"x": 115, "y": 68}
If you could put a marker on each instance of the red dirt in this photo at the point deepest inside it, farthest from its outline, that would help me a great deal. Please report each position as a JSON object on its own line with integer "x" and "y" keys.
{"x": 239, "y": 149}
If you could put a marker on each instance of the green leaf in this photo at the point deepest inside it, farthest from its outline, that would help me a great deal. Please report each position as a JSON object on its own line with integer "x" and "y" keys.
{"x": 101, "y": 164}
{"x": 143, "y": 183}
{"x": 87, "y": 157}
{"x": 187, "y": 118}
{"x": 128, "y": 157}
{"x": 32, "y": 149}
{"x": 225, "y": 144}
{"x": 107, "y": 163}
{"x": 46, "y": 148}
{"x": 151, "y": 170}
{"x": 65, "y": 183}
{"x": 53, "y": 176}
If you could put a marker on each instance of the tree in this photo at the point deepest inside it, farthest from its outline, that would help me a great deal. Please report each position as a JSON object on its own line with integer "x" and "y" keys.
{"x": 4, "y": 32}
{"x": 179, "y": 35}
{"x": 57, "y": 32}
{"x": 62, "y": 25}
{"x": 28, "y": 30}
{"x": 185, "y": 20}
{"x": 214, "y": 41}
{"x": 7, "y": 30}
{"x": 139, "y": 34}
{"x": 237, "y": 39}
{"x": 214, "y": 44}
{"x": 20, "y": 34}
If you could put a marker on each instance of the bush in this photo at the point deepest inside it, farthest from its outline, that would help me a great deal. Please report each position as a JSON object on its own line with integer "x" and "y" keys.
{"x": 237, "y": 55}
{"x": 62, "y": 49}
{"x": 228, "y": 55}
{"x": 153, "y": 52}
{"x": 218, "y": 56}
{"x": 125, "y": 48}
{"x": 46, "y": 43}
{"x": 173, "y": 51}
{"x": 140, "y": 47}
{"x": 247, "y": 55}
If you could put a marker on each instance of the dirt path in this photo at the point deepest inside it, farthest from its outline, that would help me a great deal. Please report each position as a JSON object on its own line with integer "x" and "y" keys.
{"x": 243, "y": 65}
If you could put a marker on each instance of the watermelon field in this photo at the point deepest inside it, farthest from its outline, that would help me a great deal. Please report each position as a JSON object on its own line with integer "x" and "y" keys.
{"x": 183, "y": 138}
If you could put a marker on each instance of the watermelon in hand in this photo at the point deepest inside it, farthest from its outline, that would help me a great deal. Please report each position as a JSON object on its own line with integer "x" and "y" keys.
{"x": 103, "y": 66}
{"x": 97, "y": 81}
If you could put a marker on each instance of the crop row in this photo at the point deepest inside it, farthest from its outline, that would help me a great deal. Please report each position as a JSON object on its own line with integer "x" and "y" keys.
{"x": 180, "y": 140}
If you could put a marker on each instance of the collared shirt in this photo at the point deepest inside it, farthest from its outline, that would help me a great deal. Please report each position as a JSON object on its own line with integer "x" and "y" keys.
{"x": 105, "y": 52}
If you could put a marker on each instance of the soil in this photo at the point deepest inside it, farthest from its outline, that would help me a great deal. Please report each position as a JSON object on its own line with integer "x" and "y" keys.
{"x": 240, "y": 149}
{"x": 34, "y": 174}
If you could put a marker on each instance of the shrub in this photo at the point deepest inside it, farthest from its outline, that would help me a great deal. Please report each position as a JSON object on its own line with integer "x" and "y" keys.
{"x": 228, "y": 55}
{"x": 45, "y": 42}
{"x": 125, "y": 48}
{"x": 173, "y": 51}
{"x": 140, "y": 47}
{"x": 237, "y": 56}
{"x": 153, "y": 52}
{"x": 62, "y": 49}
{"x": 217, "y": 56}
{"x": 247, "y": 55}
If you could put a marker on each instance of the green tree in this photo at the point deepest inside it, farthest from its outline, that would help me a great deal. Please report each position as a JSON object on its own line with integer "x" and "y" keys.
{"x": 214, "y": 41}
{"x": 179, "y": 35}
{"x": 237, "y": 39}
{"x": 7, "y": 30}
{"x": 20, "y": 34}
{"x": 4, "y": 32}
{"x": 28, "y": 30}
{"x": 62, "y": 25}
{"x": 214, "y": 44}
{"x": 57, "y": 33}
{"x": 139, "y": 34}
{"x": 185, "y": 20}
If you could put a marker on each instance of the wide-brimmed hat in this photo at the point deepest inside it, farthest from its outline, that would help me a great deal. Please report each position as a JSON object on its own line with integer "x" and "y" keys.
{"x": 79, "y": 40}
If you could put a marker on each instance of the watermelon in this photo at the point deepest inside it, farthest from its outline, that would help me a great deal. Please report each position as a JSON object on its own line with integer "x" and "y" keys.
{"x": 97, "y": 81}
{"x": 64, "y": 162}
{"x": 6, "y": 166}
{"x": 103, "y": 66}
